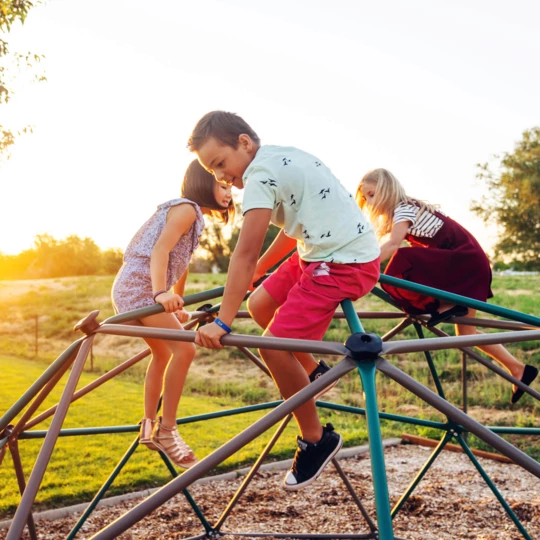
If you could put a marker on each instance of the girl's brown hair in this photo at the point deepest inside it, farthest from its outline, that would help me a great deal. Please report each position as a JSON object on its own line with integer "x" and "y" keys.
{"x": 198, "y": 186}
{"x": 388, "y": 194}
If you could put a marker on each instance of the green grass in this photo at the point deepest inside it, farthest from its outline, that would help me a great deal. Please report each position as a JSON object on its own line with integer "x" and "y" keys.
{"x": 217, "y": 380}
{"x": 80, "y": 464}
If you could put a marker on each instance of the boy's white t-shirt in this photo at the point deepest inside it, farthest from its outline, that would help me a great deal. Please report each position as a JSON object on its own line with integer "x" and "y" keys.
{"x": 310, "y": 204}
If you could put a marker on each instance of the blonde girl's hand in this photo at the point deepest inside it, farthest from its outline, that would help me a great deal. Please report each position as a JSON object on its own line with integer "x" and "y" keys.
{"x": 170, "y": 301}
{"x": 182, "y": 315}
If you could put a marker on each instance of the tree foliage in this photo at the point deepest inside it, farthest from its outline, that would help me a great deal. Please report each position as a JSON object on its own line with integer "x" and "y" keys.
{"x": 218, "y": 249}
{"x": 513, "y": 202}
{"x": 50, "y": 258}
{"x": 11, "y": 63}
{"x": 75, "y": 256}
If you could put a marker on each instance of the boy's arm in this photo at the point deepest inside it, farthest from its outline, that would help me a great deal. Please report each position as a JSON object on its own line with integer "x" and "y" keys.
{"x": 280, "y": 247}
{"x": 397, "y": 235}
{"x": 239, "y": 276}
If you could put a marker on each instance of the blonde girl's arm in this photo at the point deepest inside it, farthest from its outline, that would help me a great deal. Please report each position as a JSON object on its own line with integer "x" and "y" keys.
{"x": 180, "y": 218}
{"x": 397, "y": 235}
{"x": 280, "y": 247}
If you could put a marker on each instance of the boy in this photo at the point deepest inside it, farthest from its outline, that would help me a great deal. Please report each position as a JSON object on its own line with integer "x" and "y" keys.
{"x": 337, "y": 258}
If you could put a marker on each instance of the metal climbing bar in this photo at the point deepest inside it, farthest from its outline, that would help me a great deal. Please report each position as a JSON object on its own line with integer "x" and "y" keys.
{"x": 462, "y": 300}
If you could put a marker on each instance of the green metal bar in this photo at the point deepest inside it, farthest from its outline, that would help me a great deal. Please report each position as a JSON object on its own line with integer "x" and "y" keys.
{"x": 515, "y": 430}
{"x": 493, "y": 488}
{"x": 104, "y": 488}
{"x": 367, "y": 372}
{"x": 430, "y": 362}
{"x": 39, "y": 434}
{"x": 421, "y": 473}
{"x": 45, "y": 377}
{"x": 384, "y": 416}
{"x": 462, "y": 300}
{"x": 352, "y": 318}
{"x": 207, "y": 527}
{"x": 383, "y": 295}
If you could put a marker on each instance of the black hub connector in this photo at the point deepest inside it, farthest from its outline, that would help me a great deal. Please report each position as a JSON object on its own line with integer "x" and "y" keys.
{"x": 364, "y": 346}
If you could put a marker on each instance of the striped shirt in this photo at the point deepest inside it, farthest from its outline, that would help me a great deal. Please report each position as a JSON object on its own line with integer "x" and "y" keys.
{"x": 426, "y": 226}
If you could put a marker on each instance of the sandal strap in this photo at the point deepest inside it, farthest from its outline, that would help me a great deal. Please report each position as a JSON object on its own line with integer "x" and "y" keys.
{"x": 172, "y": 443}
{"x": 147, "y": 427}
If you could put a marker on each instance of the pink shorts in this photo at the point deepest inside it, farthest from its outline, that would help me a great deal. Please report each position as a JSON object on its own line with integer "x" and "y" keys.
{"x": 309, "y": 293}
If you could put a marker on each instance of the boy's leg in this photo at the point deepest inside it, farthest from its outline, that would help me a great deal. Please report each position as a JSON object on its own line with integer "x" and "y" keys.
{"x": 317, "y": 445}
{"x": 262, "y": 307}
{"x": 290, "y": 377}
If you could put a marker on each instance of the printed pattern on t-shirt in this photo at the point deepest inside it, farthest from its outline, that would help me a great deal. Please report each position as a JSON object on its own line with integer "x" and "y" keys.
{"x": 309, "y": 203}
{"x": 423, "y": 224}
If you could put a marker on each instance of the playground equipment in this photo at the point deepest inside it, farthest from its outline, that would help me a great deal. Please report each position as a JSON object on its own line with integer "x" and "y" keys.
{"x": 362, "y": 351}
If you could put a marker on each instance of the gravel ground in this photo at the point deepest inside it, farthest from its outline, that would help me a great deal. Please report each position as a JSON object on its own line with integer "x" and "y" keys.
{"x": 451, "y": 502}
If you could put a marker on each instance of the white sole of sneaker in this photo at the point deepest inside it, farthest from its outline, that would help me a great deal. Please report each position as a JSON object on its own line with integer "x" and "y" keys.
{"x": 296, "y": 487}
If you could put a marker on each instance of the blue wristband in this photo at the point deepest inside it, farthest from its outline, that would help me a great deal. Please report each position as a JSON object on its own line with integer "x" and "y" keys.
{"x": 219, "y": 322}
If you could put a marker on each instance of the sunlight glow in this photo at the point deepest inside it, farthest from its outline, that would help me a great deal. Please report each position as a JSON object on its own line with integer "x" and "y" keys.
{"x": 355, "y": 86}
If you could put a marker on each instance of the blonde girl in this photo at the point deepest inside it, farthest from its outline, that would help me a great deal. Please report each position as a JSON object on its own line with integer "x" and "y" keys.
{"x": 442, "y": 254}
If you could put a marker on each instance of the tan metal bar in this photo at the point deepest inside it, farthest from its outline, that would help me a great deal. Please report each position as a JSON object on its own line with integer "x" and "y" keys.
{"x": 89, "y": 387}
{"x": 19, "y": 473}
{"x": 21, "y": 515}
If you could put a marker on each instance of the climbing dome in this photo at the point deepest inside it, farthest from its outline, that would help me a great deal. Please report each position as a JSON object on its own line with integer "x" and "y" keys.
{"x": 364, "y": 352}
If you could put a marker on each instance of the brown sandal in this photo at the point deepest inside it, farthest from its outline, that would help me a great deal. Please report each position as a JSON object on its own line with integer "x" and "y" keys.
{"x": 168, "y": 440}
{"x": 147, "y": 427}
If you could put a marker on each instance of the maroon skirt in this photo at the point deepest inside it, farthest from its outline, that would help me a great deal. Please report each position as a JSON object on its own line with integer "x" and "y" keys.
{"x": 452, "y": 261}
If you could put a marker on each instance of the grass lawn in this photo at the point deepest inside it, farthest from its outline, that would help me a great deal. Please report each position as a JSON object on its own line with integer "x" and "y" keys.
{"x": 217, "y": 380}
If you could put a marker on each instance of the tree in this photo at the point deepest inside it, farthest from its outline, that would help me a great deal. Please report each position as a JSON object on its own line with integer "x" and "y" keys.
{"x": 216, "y": 246}
{"x": 73, "y": 256}
{"x": 513, "y": 201}
{"x": 12, "y": 11}
{"x": 219, "y": 249}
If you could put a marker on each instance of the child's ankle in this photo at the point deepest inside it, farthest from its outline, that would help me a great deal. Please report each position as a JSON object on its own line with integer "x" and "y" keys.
{"x": 313, "y": 437}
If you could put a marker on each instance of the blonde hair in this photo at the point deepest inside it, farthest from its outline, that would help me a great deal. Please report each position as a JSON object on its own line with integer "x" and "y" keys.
{"x": 389, "y": 193}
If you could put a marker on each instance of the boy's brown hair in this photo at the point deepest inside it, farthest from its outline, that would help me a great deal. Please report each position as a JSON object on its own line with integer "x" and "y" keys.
{"x": 224, "y": 126}
{"x": 198, "y": 186}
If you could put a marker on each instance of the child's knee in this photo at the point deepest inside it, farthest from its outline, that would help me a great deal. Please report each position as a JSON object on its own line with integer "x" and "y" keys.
{"x": 161, "y": 354}
{"x": 184, "y": 351}
{"x": 253, "y": 305}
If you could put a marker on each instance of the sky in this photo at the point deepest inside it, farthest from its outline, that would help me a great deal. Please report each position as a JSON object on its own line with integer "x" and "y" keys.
{"x": 424, "y": 88}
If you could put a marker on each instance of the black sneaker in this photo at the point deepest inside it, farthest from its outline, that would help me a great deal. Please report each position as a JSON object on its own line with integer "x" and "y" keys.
{"x": 319, "y": 371}
{"x": 311, "y": 458}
